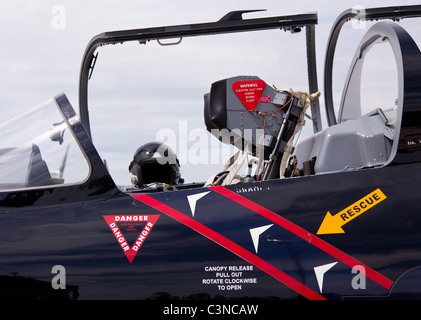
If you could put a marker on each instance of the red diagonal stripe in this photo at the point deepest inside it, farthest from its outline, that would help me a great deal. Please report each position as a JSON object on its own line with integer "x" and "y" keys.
{"x": 232, "y": 246}
{"x": 300, "y": 232}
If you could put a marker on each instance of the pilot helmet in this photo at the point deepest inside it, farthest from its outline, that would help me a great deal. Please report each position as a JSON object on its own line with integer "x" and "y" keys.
{"x": 154, "y": 162}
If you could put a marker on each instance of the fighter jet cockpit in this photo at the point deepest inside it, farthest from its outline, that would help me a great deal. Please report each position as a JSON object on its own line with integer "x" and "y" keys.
{"x": 260, "y": 121}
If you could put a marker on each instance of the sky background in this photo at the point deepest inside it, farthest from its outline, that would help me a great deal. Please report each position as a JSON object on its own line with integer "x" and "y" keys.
{"x": 134, "y": 86}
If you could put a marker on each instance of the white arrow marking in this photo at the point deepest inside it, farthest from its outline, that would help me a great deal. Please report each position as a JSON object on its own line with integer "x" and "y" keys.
{"x": 255, "y": 234}
{"x": 193, "y": 199}
{"x": 320, "y": 273}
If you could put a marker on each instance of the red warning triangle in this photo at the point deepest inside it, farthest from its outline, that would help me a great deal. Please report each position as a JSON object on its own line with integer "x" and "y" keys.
{"x": 249, "y": 92}
{"x": 131, "y": 223}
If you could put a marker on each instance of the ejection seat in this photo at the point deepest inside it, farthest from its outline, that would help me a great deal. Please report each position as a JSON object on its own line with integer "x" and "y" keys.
{"x": 384, "y": 135}
{"x": 256, "y": 118}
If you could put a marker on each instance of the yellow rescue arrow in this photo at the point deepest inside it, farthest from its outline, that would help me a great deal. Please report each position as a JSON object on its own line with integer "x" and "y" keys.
{"x": 333, "y": 224}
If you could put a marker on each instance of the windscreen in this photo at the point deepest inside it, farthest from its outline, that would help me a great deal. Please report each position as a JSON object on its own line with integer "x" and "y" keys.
{"x": 37, "y": 149}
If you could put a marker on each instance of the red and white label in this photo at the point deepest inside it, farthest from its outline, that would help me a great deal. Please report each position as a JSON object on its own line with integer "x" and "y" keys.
{"x": 249, "y": 92}
{"x": 140, "y": 225}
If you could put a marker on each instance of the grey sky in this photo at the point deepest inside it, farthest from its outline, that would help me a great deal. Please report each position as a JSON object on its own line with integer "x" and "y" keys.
{"x": 40, "y": 59}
